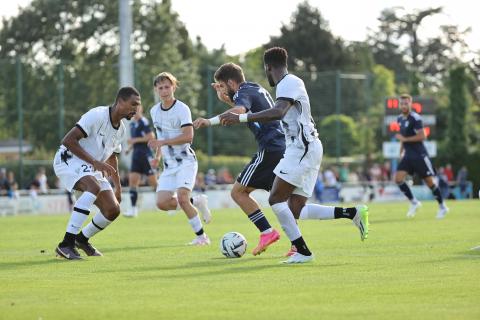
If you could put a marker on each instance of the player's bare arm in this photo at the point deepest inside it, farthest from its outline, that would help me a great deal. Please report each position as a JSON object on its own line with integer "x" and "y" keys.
{"x": 275, "y": 113}
{"x": 71, "y": 142}
{"x": 113, "y": 161}
{"x": 202, "y": 122}
{"x": 185, "y": 137}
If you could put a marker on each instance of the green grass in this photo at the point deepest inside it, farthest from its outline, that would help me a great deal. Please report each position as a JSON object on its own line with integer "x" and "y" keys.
{"x": 420, "y": 268}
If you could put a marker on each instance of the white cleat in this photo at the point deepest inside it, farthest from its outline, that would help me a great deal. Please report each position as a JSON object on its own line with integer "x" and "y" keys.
{"x": 298, "y": 258}
{"x": 201, "y": 203}
{"x": 413, "y": 209}
{"x": 171, "y": 213}
{"x": 202, "y": 240}
{"x": 442, "y": 212}
{"x": 131, "y": 213}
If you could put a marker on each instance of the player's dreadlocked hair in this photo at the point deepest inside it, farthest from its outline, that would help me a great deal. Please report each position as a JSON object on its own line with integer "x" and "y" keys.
{"x": 125, "y": 93}
{"x": 276, "y": 57}
{"x": 229, "y": 71}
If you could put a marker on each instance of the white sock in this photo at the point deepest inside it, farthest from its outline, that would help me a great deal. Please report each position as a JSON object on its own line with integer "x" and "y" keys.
{"x": 287, "y": 221}
{"x": 317, "y": 212}
{"x": 81, "y": 210}
{"x": 196, "y": 223}
{"x": 98, "y": 223}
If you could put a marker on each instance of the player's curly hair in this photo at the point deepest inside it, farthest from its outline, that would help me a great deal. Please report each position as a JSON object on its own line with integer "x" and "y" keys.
{"x": 166, "y": 76}
{"x": 125, "y": 93}
{"x": 276, "y": 57}
{"x": 229, "y": 71}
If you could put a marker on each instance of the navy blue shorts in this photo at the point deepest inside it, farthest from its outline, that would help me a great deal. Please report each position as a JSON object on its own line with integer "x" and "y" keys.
{"x": 141, "y": 164}
{"x": 421, "y": 166}
{"x": 258, "y": 173}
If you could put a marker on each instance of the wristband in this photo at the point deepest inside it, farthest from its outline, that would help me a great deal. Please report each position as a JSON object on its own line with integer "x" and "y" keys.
{"x": 243, "y": 117}
{"x": 214, "y": 121}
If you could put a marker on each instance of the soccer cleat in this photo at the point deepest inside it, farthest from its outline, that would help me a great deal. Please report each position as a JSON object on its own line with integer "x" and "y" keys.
{"x": 266, "y": 239}
{"x": 88, "y": 248}
{"x": 292, "y": 251}
{"x": 360, "y": 220}
{"x": 442, "y": 212}
{"x": 131, "y": 213}
{"x": 413, "y": 209}
{"x": 476, "y": 248}
{"x": 202, "y": 240}
{"x": 69, "y": 253}
{"x": 201, "y": 202}
{"x": 298, "y": 258}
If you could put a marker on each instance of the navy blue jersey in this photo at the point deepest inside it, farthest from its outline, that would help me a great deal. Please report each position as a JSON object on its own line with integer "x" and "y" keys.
{"x": 269, "y": 135}
{"x": 139, "y": 129}
{"x": 409, "y": 126}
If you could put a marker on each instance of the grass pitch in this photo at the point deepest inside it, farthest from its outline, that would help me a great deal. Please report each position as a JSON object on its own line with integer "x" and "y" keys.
{"x": 419, "y": 268}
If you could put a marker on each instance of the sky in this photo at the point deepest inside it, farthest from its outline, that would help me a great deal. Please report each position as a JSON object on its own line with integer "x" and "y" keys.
{"x": 247, "y": 24}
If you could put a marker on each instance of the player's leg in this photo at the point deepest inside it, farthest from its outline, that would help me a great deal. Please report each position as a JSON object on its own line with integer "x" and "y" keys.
{"x": 166, "y": 200}
{"x": 443, "y": 209}
{"x": 278, "y": 199}
{"x": 258, "y": 174}
{"x": 152, "y": 181}
{"x": 133, "y": 183}
{"x": 185, "y": 202}
{"x": 109, "y": 211}
{"x": 74, "y": 173}
{"x": 400, "y": 176}
{"x": 312, "y": 211}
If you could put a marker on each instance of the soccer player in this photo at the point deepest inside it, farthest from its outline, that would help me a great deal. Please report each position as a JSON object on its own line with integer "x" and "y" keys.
{"x": 415, "y": 157}
{"x": 173, "y": 122}
{"x": 297, "y": 171}
{"x": 142, "y": 158}
{"x": 248, "y": 97}
{"x": 86, "y": 158}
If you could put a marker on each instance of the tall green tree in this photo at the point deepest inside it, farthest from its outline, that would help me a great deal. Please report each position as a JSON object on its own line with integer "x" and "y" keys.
{"x": 457, "y": 140}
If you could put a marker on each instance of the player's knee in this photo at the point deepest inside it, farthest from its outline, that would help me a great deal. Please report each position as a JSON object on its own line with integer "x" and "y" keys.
{"x": 112, "y": 211}
{"x": 184, "y": 201}
{"x": 274, "y": 199}
{"x": 237, "y": 194}
{"x": 162, "y": 205}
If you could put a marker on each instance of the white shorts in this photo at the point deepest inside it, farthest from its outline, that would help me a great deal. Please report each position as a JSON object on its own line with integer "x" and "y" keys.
{"x": 74, "y": 169}
{"x": 180, "y": 177}
{"x": 300, "y": 167}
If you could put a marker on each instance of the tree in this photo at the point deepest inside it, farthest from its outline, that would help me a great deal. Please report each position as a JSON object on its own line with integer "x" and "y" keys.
{"x": 339, "y": 131}
{"x": 457, "y": 140}
{"x": 306, "y": 36}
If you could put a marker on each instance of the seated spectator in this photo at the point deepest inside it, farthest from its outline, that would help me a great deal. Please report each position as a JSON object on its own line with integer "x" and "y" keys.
{"x": 200, "y": 182}
{"x": 210, "y": 178}
{"x": 462, "y": 181}
{"x": 13, "y": 192}
{"x": 42, "y": 179}
{"x": 224, "y": 176}
{"x": 4, "y": 185}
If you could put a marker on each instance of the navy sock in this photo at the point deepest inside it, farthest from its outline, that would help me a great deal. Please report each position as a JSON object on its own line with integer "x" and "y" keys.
{"x": 406, "y": 190}
{"x": 437, "y": 194}
{"x": 133, "y": 196}
{"x": 260, "y": 221}
{"x": 68, "y": 240}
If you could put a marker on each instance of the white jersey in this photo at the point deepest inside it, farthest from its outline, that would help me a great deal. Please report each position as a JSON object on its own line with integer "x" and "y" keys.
{"x": 101, "y": 139}
{"x": 168, "y": 124}
{"x": 298, "y": 123}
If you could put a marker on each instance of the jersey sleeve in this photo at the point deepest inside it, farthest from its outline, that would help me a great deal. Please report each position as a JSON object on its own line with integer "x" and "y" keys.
{"x": 417, "y": 124}
{"x": 241, "y": 99}
{"x": 288, "y": 90}
{"x": 88, "y": 122}
{"x": 185, "y": 117}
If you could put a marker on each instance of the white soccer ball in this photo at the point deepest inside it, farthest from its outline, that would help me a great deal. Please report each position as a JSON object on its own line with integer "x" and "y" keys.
{"x": 233, "y": 245}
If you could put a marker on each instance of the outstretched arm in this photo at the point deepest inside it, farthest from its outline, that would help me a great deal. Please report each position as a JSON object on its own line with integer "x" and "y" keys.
{"x": 202, "y": 122}
{"x": 275, "y": 113}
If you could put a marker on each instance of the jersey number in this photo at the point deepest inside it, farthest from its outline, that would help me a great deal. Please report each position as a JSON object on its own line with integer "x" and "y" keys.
{"x": 87, "y": 168}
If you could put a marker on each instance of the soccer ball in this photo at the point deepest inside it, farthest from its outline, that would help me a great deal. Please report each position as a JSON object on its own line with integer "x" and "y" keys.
{"x": 233, "y": 245}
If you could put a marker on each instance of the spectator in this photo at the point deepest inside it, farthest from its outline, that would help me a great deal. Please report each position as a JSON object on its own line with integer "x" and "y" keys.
{"x": 343, "y": 173}
{"x": 210, "y": 178}
{"x": 449, "y": 172}
{"x": 13, "y": 192}
{"x": 443, "y": 183}
{"x": 318, "y": 187}
{"x": 224, "y": 176}
{"x": 462, "y": 181}
{"x": 200, "y": 182}
{"x": 386, "y": 171}
{"x": 4, "y": 185}
{"x": 330, "y": 178}
{"x": 42, "y": 180}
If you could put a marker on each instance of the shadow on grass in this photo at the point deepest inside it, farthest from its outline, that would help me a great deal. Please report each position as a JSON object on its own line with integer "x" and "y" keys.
{"x": 29, "y": 263}
{"x": 137, "y": 248}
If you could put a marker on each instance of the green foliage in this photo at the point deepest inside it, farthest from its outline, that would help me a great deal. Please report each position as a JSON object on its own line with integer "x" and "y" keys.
{"x": 235, "y": 164}
{"x": 457, "y": 140}
{"x": 339, "y": 132}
